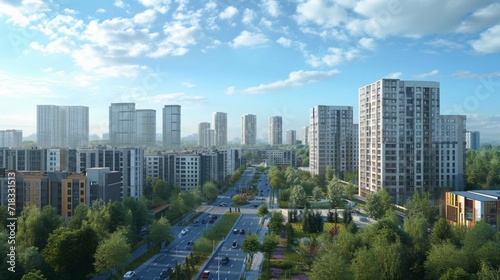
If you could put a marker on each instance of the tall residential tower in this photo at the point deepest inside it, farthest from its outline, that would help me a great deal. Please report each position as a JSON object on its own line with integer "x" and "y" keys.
{"x": 275, "y": 130}
{"x": 219, "y": 121}
{"x": 62, "y": 126}
{"x": 172, "y": 127}
{"x": 249, "y": 130}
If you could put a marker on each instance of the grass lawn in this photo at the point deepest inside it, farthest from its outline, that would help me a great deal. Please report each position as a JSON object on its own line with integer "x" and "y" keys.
{"x": 298, "y": 233}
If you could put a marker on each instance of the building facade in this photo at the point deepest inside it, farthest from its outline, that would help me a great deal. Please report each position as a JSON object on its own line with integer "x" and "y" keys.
{"x": 291, "y": 137}
{"x": 249, "y": 129}
{"x": 172, "y": 127}
{"x": 122, "y": 125}
{"x": 146, "y": 128}
{"x": 201, "y": 134}
{"x": 275, "y": 130}
{"x": 219, "y": 121}
{"x": 469, "y": 207}
{"x": 405, "y": 145}
{"x": 62, "y": 126}
{"x": 11, "y": 138}
{"x": 280, "y": 157}
{"x": 473, "y": 140}
{"x": 330, "y": 142}
{"x": 305, "y": 136}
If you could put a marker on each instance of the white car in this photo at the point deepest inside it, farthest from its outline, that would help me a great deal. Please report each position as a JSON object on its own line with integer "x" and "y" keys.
{"x": 222, "y": 204}
{"x": 184, "y": 231}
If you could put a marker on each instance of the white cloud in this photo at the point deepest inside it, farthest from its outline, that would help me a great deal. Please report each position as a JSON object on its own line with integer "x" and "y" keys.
{"x": 321, "y": 13}
{"x": 161, "y": 6}
{"x": 248, "y": 16}
{"x": 295, "y": 79}
{"x": 101, "y": 10}
{"x": 442, "y": 43}
{"x": 188, "y": 85}
{"x": 426, "y": 75}
{"x": 248, "y": 39}
{"x": 367, "y": 43}
{"x": 146, "y": 17}
{"x": 489, "y": 41}
{"x": 333, "y": 57}
{"x": 119, "y": 3}
{"x": 230, "y": 90}
{"x": 284, "y": 42}
{"x": 58, "y": 46}
{"x": 394, "y": 75}
{"x": 228, "y": 13}
{"x": 271, "y": 7}
{"x": 23, "y": 13}
{"x": 481, "y": 18}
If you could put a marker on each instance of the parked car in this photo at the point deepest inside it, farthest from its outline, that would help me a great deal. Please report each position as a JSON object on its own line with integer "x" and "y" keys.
{"x": 130, "y": 275}
{"x": 224, "y": 260}
{"x": 184, "y": 231}
{"x": 212, "y": 221}
{"x": 189, "y": 245}
{"x": 242, "y": 231}
{"x": 205, "y": 274}
{"x": 203, "y": 221}
{"x": 236, "y": 231}
{"x": 234, "y": 245}
{"x": 214, "y": 217}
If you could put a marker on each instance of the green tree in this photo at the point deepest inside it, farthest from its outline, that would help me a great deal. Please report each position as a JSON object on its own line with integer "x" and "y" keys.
{"x": 331, "y": 266}
{"x": 262, "y": 210}
{"x": 251, "y": 245}
{"x": 35, "y": 226}
{"x": 30, "y": 259}
{"x": 79, "y": 216}
{"x": 276, "y": 222}
{"x": 140, "y": 212}
{"x": 160, "y": 231}
{"x": 365, "y": 266}
{"x": 329, "y": 173}
{"x": 112, "y": 253}
{"x": 350, "y": 190}
{"x": 457, "y": 273}
{"x": 317, "y": 193}
{"x": 487, "y": 272}
{"x": 442, "y": 257}
{"x": 441, "y": 232}
{"x": 160, "y": 189}
{"x": 34, "y": 275}
{"x": 71, "y": 252}
{"x": 298, "y": 197}
{"x": 419, "y": 205}
{"x": 269, "y": 243}
{"x": 119, "y": 215}
{"x": 378, "y": 204}
{"x": 208, "y": 192}
{"x": 203, "y": 246}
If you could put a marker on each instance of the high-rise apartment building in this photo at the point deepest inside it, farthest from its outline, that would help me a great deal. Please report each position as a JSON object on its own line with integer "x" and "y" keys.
{"x": 201, "y": 133}
{"x": 330, "y": 143}
{"x": 172, "y": 127}
{"x": 291, "y": 137}
{"x": 405, "y": 145}
{"x": 275, "y": 130}
{"x": 62, "y": 126}
{"x": 11, "y": 138}
{"x": 208, "y": 138}
{"x": 249, "y": 129}
{"x": 305, "y": 136}
{"x": 146, "y": 127}
{"x": 219, "y": 121}
{"x": 473, "y": 141}
{"x": 122, "y": 125}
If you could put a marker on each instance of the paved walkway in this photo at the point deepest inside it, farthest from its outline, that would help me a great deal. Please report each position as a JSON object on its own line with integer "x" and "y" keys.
{"x": 258, "y": 258}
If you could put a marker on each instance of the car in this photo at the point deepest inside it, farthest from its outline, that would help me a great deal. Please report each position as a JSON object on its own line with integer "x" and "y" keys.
{"x": 196, "y": 221}
{"x": 203, "y": 221}
{"x": 184, "y": 231}
{"x": 222, "y": 204}
{"x": 130, "y": 275}
{"x": 165, "y": 273}
{"x": 255, "y": 205}
{"x": 214, "y": 217}
{"x": 189, "y": 245}
{"x": 234, "y": 245}
{"x": 212, "y": 221}
{"x": 242, "y": 231}
{"x": 205, "y": 274}
{"x": 224, "y": 260}
{"x": 236, "y": 231}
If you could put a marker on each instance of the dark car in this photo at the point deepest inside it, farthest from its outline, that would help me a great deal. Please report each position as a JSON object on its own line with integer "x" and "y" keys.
{"x": 165, "y": 273}
{"x": 234, "y": 245}
{"x": 214, "y": 217}
{"x": 224, "y": 260}
{"x": 212, "y": 221}
{"x": 203, "y": 221}
{"x": 242, "y": 231}
{"x": 205, "y": 274}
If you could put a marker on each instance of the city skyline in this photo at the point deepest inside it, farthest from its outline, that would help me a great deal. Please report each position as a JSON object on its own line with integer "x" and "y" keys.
{"x": 260, "y": 57}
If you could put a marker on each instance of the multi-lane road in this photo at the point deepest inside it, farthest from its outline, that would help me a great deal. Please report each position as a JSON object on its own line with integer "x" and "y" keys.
{"x": 179, "y": 249}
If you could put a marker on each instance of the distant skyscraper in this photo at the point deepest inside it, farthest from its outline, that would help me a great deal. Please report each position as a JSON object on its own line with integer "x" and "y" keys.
{"x": 146, "y": 127}
{"x": 208, "y": 138}
{"x": 330, "y": 143}
{"x": 249, "y": 130}
{"x": 305, "y": 136}
{"x": 473, "y": 141}
{"x": 122, "y": 125}
{"x": 62, "y": 126}
{"x": 201, "y": 132}
{"x": 405, "y": 145}
{"x": 291, "y": 137}
{"x": 275, "y": 130}
{"x": 11, "y": 138}
{"x": 219, "y": 120}
{"x": 172, "y": 127}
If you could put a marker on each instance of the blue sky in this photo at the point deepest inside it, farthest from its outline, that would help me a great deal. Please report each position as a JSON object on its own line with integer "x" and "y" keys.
{"x": 261, "y": 57}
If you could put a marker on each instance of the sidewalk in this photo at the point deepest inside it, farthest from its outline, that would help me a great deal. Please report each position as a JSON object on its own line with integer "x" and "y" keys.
{"x": 258, "y": 258}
